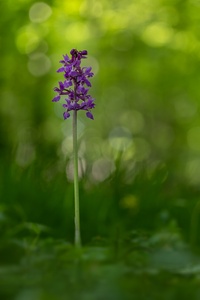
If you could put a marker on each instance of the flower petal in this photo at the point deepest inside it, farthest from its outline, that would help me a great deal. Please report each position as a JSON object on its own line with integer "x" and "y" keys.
{"x": 66, "y": 115}
{"x": 89, "y": 115}
{"x": 62, "y": 69}
{"x": 56, "y": 99}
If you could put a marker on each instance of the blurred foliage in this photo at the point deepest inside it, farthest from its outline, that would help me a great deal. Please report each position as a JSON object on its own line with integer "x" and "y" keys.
{"x": 139, "y": 158}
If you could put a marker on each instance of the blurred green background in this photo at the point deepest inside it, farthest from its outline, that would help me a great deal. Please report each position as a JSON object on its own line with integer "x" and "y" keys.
{"x": 140, "y": 157}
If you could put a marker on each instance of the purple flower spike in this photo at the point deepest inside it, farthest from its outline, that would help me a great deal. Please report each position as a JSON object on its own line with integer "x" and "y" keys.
{"x": 75, "y": 85}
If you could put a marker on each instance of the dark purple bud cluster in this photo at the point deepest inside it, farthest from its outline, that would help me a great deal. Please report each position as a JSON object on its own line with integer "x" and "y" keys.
{"x": 76, "y": 84}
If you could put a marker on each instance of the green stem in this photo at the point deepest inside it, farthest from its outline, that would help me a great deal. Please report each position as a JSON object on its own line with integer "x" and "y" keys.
{"x": 76, "y": 183}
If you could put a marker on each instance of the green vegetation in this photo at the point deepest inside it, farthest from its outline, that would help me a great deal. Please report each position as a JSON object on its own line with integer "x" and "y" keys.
{"x": 139, "y": 159}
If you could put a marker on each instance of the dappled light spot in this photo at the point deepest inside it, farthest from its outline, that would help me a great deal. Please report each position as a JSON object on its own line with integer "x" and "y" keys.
{"x": 79, "y": 32}
{"x": 133, "y": 120}
{"x": 25, "y": 154}
{"x": 186, "y": 41}
{"x": 157, "y": 34}
{"x": 67, "y": 146}
{"x": 193, "y": 138}
{"x": 69, "y": 7}
{"x": 116, "y": 19}
{"x": 129, "y": 155}
{"x": 168, "y": 14}
{"x": 66, "y": 128}
{"x": 94, "y": 8}
{"x": 70, "y": 168}
{"x": 39, "y": 12}
{"x": 42, "y": 47}
{"x": 164, "y": 215}
{"x": 192, "y": 171}
{"x": 39, "y": 64}
{"x": 130, "y": 202}
{"x": 140, "y": 12}
{"x": 27, "y": 39}
{"x": 120, "y": 138}
{"x": 180, "y": 40}
{"x": 195, "y": 2}
{"x": 102, "y": 169}
{"x": 25, "y": 151}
